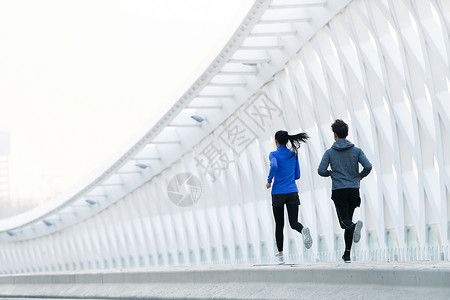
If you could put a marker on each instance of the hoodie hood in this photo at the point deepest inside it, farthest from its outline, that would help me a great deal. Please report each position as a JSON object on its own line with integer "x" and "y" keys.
{"x": 340, "y": 145}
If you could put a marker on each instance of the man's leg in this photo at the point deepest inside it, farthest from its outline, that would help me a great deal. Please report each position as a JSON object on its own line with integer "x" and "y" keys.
{"x": 346, "y": 201}
{"x": 356, "y": 202}
{"x": 345, "y": 213}
{"x": 348, "y": 232}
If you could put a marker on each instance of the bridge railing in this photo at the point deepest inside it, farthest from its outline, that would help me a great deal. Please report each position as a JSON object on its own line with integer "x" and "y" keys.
{"x": 413, "y": 254}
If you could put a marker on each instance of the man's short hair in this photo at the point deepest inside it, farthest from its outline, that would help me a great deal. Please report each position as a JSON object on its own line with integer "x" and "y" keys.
{"x": 340, "y": 128}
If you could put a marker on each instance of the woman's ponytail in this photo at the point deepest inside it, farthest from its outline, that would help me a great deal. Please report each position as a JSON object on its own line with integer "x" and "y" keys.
{"x": 297, "y": 139}
{"x": 283, "y": 137}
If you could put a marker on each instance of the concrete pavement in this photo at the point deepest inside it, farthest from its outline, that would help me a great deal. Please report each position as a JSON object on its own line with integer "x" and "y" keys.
{"x": 413, "y": 280}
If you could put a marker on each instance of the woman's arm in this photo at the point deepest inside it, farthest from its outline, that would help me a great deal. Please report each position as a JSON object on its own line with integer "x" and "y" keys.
{"x": 273, "y": 167}
{"x": 297, "y": 168}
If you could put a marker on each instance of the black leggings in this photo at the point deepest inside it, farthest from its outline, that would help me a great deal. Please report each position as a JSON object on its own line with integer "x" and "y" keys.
{"x": 345, "y": 215}
{"x": 278, "y": 214}
{"x": 345, "y": 201}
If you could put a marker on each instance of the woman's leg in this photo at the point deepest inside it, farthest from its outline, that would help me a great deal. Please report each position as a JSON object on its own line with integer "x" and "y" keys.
{"x": 278, "y": 214}
{"x": 296, "y": 225}
{"x": 293, "y": 217}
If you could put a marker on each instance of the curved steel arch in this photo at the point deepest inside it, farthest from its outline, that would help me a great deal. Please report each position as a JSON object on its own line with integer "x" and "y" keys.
{"x": 229, "y": 80}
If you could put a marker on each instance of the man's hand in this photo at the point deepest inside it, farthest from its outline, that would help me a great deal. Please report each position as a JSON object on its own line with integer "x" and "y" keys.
{"x": 268, "y": 185}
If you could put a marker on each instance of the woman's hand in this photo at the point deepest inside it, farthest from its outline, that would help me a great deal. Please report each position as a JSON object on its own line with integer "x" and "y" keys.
{"x": 268, "y": 185}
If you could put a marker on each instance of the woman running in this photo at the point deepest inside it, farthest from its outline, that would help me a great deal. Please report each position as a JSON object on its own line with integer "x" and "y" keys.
{"x": 285, "y": 169}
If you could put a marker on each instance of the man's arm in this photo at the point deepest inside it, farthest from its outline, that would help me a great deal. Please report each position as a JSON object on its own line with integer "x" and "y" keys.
{"x": 323, "y": 166}
{"x": 367, "y": 166}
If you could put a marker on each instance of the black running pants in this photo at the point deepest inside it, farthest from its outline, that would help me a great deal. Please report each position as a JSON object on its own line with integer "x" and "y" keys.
{"x": 345, "y": 201}
{"x": 278, "y": 214}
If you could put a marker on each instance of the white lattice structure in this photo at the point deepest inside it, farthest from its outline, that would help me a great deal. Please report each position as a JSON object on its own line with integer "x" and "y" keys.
{"x": 193, "y": 192}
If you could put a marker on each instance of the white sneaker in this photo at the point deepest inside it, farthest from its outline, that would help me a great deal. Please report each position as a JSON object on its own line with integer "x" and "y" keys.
{"x": 279, "y": 259}
{"x": 357, "y": 231}
{"x": 307, "y": 240}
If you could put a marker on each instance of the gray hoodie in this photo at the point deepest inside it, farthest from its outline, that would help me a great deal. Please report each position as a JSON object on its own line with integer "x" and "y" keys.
{"x": 344, "y": 159}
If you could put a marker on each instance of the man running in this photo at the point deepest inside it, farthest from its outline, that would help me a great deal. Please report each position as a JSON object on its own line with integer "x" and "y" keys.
{"x": 344, "y": 158}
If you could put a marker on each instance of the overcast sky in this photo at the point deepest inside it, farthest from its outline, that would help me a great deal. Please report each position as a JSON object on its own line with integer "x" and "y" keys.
{"x": 78, "y": 78}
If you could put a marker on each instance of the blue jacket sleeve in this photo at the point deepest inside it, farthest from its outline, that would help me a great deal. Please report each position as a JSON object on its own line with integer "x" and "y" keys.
{"x": 273, "y": 167}
{"x": 323, "y": 166}
{"x": 367, "y": 166}
{"x": 297, "y": 168}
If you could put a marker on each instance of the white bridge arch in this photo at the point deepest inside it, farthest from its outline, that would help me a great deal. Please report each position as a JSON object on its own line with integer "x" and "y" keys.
{"x": 193, "y": 191}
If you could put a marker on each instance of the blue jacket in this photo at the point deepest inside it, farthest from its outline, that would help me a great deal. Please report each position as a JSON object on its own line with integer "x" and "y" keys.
{"x": 344, "y": 159}
{"x": 285, "y": 169}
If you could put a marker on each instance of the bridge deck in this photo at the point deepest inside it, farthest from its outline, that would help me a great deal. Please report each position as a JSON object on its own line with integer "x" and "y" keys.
{"x": 418, "y": 280}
